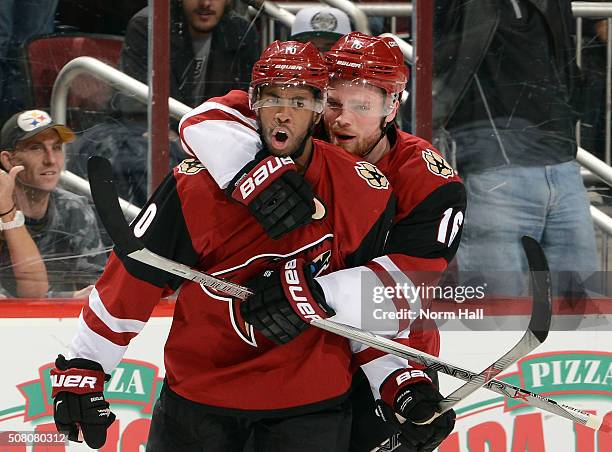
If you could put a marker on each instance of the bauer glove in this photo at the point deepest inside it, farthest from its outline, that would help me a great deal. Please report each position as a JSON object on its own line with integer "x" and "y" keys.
{"x": 412, "y": 394}
{"x": 275, "y": 194}
{"x": 78, "y": 400}
{"x": 284, "y": 302}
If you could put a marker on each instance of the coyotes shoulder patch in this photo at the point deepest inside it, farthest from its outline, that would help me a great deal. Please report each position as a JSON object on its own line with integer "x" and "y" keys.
{"x": 372, "y": 175}
{"x": 437, "y": 165}
{"x": 190, "y": 167}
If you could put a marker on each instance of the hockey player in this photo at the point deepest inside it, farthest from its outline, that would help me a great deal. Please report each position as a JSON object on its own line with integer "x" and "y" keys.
{"x": 367, "y": 76}
{"x": 224, "y": 382}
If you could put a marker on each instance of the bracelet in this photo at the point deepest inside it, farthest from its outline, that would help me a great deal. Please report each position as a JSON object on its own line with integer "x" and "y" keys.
{"x": 8, "y": 211}
{"x": 16, "y": 222}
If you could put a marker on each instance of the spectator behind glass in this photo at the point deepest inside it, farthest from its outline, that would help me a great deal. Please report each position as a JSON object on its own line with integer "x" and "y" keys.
{"x": 29, "y": 272}
{"x": 593, "y": 124}
{"x": 321, "y": 25}
{"x": 212, "y": 51}
{"x": 19, "y": 21}
{"x": 509, "y": 108}
{"x": 61, "y": 223}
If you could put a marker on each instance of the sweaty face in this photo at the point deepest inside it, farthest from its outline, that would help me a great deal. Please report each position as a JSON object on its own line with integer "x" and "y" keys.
{"x": 43, "y": 159}
{"x": 203, "y": 15}
{"x": 286, "y": 117}
{"x": 353, "y": 115}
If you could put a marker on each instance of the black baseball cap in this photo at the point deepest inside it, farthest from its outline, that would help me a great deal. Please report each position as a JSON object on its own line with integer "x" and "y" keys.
{"x": 28, "y": 124}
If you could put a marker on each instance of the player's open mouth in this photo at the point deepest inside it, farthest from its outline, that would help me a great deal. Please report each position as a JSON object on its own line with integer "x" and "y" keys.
{"x": 279, "y": 138}
{"x": 342, "y": 137}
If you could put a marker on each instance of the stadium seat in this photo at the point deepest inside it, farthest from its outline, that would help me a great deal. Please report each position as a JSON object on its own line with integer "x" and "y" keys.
{"x": 45, "y": 56}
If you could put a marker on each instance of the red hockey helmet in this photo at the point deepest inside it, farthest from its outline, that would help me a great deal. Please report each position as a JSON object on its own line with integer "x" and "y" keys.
{"x": 377, "y": 61}
{"x": 290, "y": 63}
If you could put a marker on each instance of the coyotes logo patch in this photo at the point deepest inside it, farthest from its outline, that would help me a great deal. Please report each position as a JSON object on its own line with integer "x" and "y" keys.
{"x": 372, "y": 175}
{"x": 437, "y": 165}
{"x": 190, "y": 167}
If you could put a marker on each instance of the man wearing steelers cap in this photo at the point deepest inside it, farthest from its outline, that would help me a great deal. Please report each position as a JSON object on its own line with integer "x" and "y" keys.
{"x": 62, "y": 224}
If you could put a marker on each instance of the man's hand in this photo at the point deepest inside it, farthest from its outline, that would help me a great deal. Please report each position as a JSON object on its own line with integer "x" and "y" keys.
{"x": 7, "y": 185}
{"x": 285, "y": 302}
{"x": 411, "y": 394}
{"x": 277, "y": 196}
{"x": 78, "y": 400}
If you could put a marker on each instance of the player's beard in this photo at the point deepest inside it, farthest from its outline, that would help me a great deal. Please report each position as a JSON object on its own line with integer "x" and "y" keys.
{"x": 367, "y": 146}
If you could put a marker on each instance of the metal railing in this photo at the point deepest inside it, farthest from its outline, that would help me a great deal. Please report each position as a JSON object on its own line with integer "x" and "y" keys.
{"x": 407, "y": 49}
{"x": 119, "y": 81}
{"x": 125, "y": 84}
{"x": 591, "y": 9}
{"x": 354, "y": 12}
{"x": 273, "y": 12}
{"x": 283, "y": 15}
{"x": 369, "y": 9}
{"x": 595, "y": 166}
{"x": 598, "y": 10}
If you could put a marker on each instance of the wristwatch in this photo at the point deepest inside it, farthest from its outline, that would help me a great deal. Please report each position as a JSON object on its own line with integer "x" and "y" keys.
{"x": 17, "y": 221}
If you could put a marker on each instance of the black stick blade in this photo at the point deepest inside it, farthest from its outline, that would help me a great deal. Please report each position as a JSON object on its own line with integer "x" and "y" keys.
{"x": 106, "y": 200}
{"x": 541, "y": 286}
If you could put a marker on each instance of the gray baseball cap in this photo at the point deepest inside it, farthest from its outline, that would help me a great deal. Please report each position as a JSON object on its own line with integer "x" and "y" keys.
{"x": 320, "y": 21}
{"x": 28, "y": 124}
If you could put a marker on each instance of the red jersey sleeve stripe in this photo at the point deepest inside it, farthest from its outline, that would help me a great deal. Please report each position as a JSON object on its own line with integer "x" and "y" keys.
{"x": 116, "y": 324}
{"x": 128, "y": 300}
{"x": 99, "y": 327}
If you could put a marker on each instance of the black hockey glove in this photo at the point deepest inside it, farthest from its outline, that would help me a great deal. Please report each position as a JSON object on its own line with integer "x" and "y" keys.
{"x": 284, "y": 302}
{"x": 277, "y": 196}
{"x": 78, "y": 400}
{"x": 411, "y": 394}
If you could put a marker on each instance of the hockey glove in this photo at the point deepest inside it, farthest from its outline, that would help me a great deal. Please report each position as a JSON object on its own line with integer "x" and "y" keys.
{"x": 285, "y": 302}
{"x": 412, "y": 394}
{"x": 277, "y": 196}
{"x": 78, "y": 400}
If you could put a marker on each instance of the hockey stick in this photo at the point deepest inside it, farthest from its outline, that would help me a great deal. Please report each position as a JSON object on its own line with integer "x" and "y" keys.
{"x": 536, "y": 334}
{"x": 105, "y": 198}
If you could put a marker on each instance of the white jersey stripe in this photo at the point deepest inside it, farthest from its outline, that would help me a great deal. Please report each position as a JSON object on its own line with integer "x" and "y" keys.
{"x": 116, "y": 324}
{"x": 90, "y": 345}
{"x": 219, "y": 135}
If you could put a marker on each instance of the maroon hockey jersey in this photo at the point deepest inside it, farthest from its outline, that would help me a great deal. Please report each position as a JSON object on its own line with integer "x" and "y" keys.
{"x": 431, "y": 204}
{"x": 211, "y": 356}
{"x": 423, "y": 239}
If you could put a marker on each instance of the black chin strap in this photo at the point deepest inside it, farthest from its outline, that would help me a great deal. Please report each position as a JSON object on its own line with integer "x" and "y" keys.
{"x": 384, "y": 128}
{"x": 300, "y": 150}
